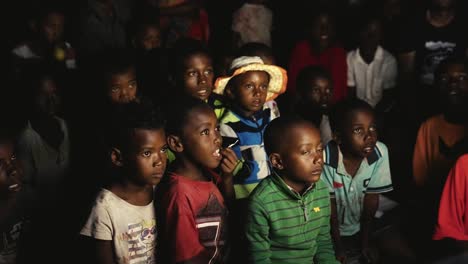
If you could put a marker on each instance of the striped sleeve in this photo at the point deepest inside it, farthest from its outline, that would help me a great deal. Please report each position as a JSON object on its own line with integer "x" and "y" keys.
{"x": 257, "y": 233}
{"x": 381, "y": 180}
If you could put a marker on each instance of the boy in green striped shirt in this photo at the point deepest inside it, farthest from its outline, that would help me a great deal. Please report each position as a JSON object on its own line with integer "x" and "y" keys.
{"x": 288, "y": 217}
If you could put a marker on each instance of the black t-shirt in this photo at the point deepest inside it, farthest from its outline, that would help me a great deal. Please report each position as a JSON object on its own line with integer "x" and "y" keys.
{"x": 432, "y": 44}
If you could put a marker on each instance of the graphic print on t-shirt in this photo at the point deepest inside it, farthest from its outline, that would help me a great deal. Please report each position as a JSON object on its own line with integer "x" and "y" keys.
{"x": 210, "y": 227}
{"x": 9, "y": 241}
{"x": 436, "y": 51}
{"x": 141, "y": 242}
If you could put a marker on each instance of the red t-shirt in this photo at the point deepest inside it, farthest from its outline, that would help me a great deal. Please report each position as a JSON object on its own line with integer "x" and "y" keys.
{"x": 333, "y": 59}
{"x": 453, "y": 210}
{"x": 192, "y": 216}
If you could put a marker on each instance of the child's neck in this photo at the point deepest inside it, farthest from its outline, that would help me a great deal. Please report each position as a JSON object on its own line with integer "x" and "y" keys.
{"x": 133, "y": 193}
{"x": 298, "y": 187}
{"x": 368, "y": 53}
{"x": 188, "y": 169}
{"x": 351, "y": 163}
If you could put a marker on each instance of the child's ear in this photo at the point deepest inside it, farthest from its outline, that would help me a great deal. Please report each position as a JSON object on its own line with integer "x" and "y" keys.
{"x": 276, "y": 161}
{"x": 228, "y": 92}
{"x": 116, "y": 157}
{"x": 174, "y": 143}
{"x": 337, "y": 137}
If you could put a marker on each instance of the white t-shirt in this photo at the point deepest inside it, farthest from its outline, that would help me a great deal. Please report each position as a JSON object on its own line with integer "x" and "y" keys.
{"x": 325, "y": 130}
{"x": 371, "y": 79}
{"x": 44, "y": 166}
{"x": 131, "y": 228}
{"x": 254, "y": 24}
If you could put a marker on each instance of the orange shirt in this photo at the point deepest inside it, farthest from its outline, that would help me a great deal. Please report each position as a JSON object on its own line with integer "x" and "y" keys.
{"x": 438, "y": 145}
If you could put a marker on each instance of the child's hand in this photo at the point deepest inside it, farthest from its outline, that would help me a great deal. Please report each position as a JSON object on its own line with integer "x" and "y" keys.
{"x": 229, "y": 162}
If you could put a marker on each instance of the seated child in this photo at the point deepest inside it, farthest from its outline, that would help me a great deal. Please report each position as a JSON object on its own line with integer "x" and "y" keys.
{"x": 191, "y": 209}
{"x": 288, "y": 220}
{"x": 44, "y": 144}
{"x": 122, "y": 223}
{"x": 320, "y": 48}
{"x": 118, "y": 75}
{"x": 356, "y": 171}
{"x": 372, "y": 71}
{"x": 193, "y": 73}
{"x": 147, "y": 36}
{"x": 314, "y": 91}
{"x": 46, "y": 42}
{"x": 250, "y": 85}
{"x": 452, "y": 222}
{"x": 442, "y": 138}
{"x": 266, "y": 54}
{"x": 15, "y": 203}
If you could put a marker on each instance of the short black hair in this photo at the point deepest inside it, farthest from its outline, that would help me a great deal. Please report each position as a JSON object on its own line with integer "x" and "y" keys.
{"x": 342, "y": 111}
{"x": 182, "y": 49}
{"x": 273, "y": 136}
{"x": 125, "y": 119}
{"x": 254, "y": 49}
{"x": 177, "y": 117}
{"x": 310, "y": 73}
{"x": 116, "y": 61}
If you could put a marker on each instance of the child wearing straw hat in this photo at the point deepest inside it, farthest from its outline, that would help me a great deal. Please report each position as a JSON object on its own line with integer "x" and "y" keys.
{"x": 250, "y": 85}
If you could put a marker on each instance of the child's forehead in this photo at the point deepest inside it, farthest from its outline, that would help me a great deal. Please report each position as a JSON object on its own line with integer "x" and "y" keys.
{"x": 359, "y": 114}
{"x": 6, "y": 148}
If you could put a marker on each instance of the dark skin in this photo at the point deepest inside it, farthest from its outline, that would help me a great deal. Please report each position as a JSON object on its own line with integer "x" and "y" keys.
{"x": 357, "y": 140}
{"x": 322, "y": 33}
{"x": 300, "y": 162}
{"x": 46, "y": 103}
{"x": 453, "y": 89}
{"x": 248, "y": 91}
{"x": 199, "y": 147}
{"x": 142, "y": 165}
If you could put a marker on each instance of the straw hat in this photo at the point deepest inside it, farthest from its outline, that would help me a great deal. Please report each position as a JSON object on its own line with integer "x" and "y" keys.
{"x": 278, "y": 76}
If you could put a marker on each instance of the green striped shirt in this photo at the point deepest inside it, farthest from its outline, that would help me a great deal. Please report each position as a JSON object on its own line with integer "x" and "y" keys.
{"x": 286, "y": 227}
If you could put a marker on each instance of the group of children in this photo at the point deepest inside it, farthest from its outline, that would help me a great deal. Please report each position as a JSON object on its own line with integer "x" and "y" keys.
{"x": 191, "y": 161}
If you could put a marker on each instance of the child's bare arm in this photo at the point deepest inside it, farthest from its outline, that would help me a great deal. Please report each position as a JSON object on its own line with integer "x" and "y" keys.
{"x": 335, "y": 232}
{"x": 104, "y": 252}
{"x": 371, "y": 203}
{"x": 228, "y": 165}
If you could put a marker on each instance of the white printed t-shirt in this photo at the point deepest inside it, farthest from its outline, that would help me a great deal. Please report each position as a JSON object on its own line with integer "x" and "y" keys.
{"x": 132, "y": 228}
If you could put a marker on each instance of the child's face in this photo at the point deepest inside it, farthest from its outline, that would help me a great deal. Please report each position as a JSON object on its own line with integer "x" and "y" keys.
{"x": 147, "y": 156}
{"x": 319, "y": 92}
{"x": 453, "y": 84}
{"x": 201, "y": 138}
{"x": 302, "y": 157}
{"x": 250, "y": 91}
{"x": 10, "y": 174}
{"x": 360, "y": 134}
{"x": 371, "y": 35}
{"x": 151, "y": 38}
{"x": 198, "y": 76}
{"x": 47, "y": 101}
{"x": 323, "y": 31}
{"x": 122, "y": 87}
{"x": 52, "y": 27}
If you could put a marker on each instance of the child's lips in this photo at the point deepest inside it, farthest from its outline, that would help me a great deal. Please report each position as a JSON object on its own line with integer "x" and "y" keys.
{"x": 217, "y": 154}
{"x": 369, "y": 149}
{"x": 317, "y": 172}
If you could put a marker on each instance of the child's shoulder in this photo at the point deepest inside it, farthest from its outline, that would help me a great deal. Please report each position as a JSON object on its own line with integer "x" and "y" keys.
{"x": 263, "y": 190}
